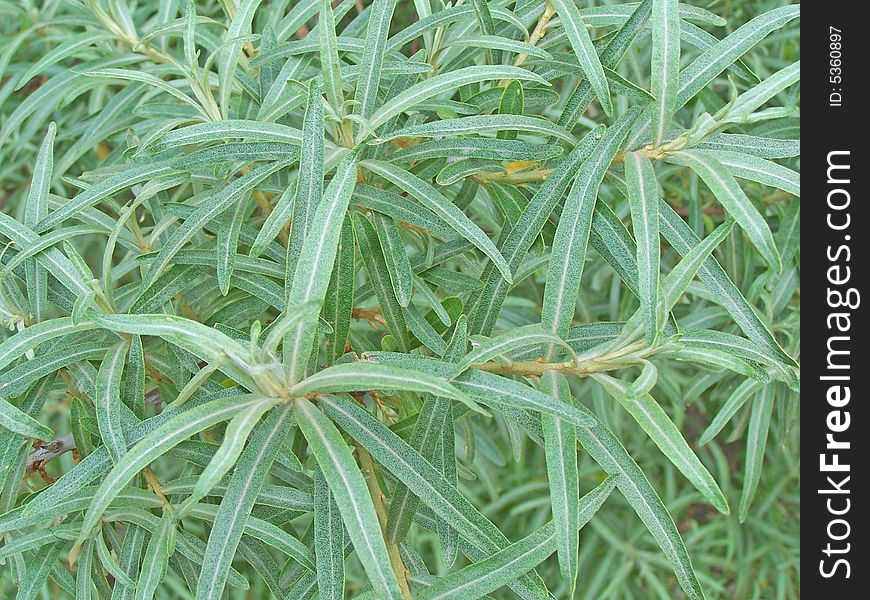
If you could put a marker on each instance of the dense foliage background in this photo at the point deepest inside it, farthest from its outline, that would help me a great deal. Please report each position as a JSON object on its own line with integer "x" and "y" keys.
{"x": 310, "y": 298}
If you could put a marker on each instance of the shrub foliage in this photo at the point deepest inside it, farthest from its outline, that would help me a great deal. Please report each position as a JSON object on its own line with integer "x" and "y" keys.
{"x": 383, "y": 299}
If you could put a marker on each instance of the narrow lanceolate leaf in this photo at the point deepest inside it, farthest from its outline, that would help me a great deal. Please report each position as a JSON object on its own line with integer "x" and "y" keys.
{"x": 680, "y": 277}
{"x": 751, "y": 100}
{"x": 235, "y": 437}
{"x": 54, "y": 261}
{"x": 338, "y": 305}
{"x": 726, "y": 189}
{"x": 653, "y": 419}
{"x": 581, "y": 43}
{"x": 200, "y": 340}
{"x": 643, "y": 196}
{"x": 315, "y": 261}
{"x": 616, "y": 48}
{"x": 664, "y": 76}
{"x": 153, "y": 445}
{"x": 735, "y": 402}
{"x": 36, "y": 209}
{"x": 766, "y": 172}
{"x": 160, "y": 547}
{"x": 377, "y": 32}
{"x": 329, "y": 541}
{"x": 572, "y": 233}
{"x": 512, "y": 103}
{"x": 108, "y": 401}
{"x": 433, "y": 436}
{"x": 423, "y": 479}
{"x": 231, "y": 51}
{"x": 606, "y": 449}
{"x": 245, "y": 484}
{"x": 228, "y": 242}
{"x": 435, "y": 201}
{"x": 309, "y": 183}
{"x": 486, "y": 307}
{"x": 30, "y": 337}
{"x": 499, "y": 569}
{"x": 756, "y": 442}
{"x": 351, "y": 494}
{"x": 396, "y": 259}
{"x": 560, "y": 447}
{"x": 349, "y": 377}
{"x": 681, "y": 237}
{"x": 376, "y": 264}
{"x": 210, "y": 209}
{"x": 444, "y": 82}
{"x": 481, "y": 124}
{"x": 15, "y": 420}
{"x": 330, "y": 64}
{"x": 715, "y": 59}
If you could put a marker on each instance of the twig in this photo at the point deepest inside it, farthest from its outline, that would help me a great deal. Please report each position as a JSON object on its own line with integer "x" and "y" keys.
{"x": 367, "y": 465}
{"x": 48, "y": 451}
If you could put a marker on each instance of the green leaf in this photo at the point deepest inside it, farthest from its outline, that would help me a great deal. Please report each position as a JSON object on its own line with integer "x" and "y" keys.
{"x": 329, "y": 61}
{"x": 761, "y": 171}
{"x": 397, "y": 262}
{"x": 481, "y": 124}
{"x": 664, "y": 76}
{"x": 15, "y": 420}
{"x": 716, "y": 58}
{"x": 349, "y": 377}
{"x": 329, "y": 541}
{"x": 560, "y": 446}
{"x": 351, "y": 495}
{"x": 315, "y": 260}
{"x": 35, "y": 209}
{"x": 230, "y": 52}
{"x": 368, "y": 82}
{"x": 572, "y": 234}
{"x": 735, "y": 402}
{"x": 653, "y": 419}
{"x": 726, "y": 189}
{"x": 681, "y": 237}
{"x": 419, "y": 475}
{"x": 435, "y": 201}
{"x": 512, "y": 103}
{"x": 444, "y": 82}
{"x": 606, "y": 449}
{"x": 156, "y": 443}
{"x": 338, "y": 305}
{"x": 756, "y": 442}
{"x": 235, "y": 437}
{"x": 433, "y": 432}
{"x": 485, "y": 576}
{"x": 581, "y": 43}
{"x": 108, "y": 401}
{"x": 156, "y": 560}
{"x": 309, "y": 185}
{"x": 244, "y": 485}
{"x": 642, "y": 198}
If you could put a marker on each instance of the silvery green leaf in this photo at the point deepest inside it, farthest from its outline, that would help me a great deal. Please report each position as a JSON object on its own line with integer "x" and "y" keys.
{"x": 351, "y": 495}
{"x": 581, "y": 43}
{"x": 726, "y": 189}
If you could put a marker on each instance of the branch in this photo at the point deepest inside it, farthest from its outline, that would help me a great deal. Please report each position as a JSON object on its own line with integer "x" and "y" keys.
{"x": 48, "y": 451}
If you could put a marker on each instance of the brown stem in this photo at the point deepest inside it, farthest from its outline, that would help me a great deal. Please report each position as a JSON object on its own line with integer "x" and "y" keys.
{"x": 367, "y": 465}
{"x": 48, "y": 451}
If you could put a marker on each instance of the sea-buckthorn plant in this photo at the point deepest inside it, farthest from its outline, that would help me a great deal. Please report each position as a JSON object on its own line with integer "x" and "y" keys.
{"x": 377, "y": 299}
